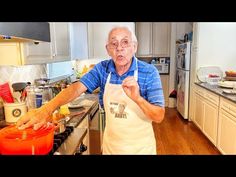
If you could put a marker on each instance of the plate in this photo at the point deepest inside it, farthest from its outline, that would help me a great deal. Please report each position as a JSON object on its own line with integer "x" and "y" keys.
{"x": 227, "y": 84}
{"x": 70, "y": 105}
{"x": 229, "y": 91}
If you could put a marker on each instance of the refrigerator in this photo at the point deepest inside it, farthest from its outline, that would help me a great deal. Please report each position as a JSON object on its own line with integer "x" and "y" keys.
{"x": 183, "y": 60}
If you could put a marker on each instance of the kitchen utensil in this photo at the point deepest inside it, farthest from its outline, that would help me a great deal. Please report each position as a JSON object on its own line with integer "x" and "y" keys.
{"x": 60, "y": 126}
{"x": 26, "y": 142}
{"x": 19, "y": 86}
{"x": 17, "y": 96}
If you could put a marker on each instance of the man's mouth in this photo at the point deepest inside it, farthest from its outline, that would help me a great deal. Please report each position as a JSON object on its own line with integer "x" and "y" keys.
{"x": 120, "y": 56}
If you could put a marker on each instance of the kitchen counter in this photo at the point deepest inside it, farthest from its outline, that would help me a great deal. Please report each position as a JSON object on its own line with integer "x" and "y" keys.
{"x": 76, "y": 116}
{"x": 217, "y": 90}
{"x": 74, "y": 120}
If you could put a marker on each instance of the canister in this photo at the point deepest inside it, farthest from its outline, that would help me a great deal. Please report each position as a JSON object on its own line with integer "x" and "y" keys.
{"x": 13, "y": 111}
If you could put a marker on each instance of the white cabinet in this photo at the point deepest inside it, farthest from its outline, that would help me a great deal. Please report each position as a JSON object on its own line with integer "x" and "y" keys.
{"x": 198, "y": 111}
{"x": 98, "y": 36}
{"x": 10, "y": 53}
{"x": 210, "y": 121}
{"x": 57, "y": 50}
{"x": 227, "y": 127}
{"x": 36, "y": 53}
{"x": 144, "y": 37}
{"x": 206, "y": 106}
{"x": 79, "y": 40}
{"x": 161, "y": 39}
{"x": 165, "y": 87}
{"x": 153, "y": 39}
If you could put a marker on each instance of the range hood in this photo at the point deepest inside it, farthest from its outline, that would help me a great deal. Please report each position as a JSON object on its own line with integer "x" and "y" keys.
{"x": 24, "y": 31}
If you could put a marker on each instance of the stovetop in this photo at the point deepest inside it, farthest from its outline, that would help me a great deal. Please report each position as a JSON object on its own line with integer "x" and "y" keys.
{"x": 60, "y": 138}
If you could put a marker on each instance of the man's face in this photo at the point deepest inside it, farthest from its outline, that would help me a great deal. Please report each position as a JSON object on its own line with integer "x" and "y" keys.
{"x": 121, "y": 47}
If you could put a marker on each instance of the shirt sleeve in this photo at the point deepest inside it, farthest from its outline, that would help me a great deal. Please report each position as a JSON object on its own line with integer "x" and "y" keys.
{"x": 91, "y": 80}
{"x": 154, "y": 88}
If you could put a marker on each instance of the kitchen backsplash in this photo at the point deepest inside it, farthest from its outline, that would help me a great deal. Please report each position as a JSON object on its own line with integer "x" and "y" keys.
{"x": 81, "y": 63}
{"x": 26, "y": 73}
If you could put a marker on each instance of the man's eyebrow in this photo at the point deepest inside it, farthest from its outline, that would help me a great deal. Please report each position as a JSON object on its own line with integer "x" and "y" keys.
{"x": 114, "y": 38}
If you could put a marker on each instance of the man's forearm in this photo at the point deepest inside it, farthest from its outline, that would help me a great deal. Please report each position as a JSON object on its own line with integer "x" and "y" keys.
{"x": 65, "y": 96}
{"x": 153, "y": 112}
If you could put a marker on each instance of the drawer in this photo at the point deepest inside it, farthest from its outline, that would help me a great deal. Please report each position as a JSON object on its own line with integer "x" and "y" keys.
{"x": 200, "y": 91}
{"x": 215, "y": 99}
{"x": 228, "y": 106}
{"x": 208, "y": 95}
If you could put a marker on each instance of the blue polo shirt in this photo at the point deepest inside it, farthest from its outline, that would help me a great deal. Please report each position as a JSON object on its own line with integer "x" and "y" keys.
{"x": 148, "y": 79}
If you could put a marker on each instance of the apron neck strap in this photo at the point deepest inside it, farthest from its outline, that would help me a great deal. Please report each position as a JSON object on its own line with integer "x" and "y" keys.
{"x": 135, "y": 73}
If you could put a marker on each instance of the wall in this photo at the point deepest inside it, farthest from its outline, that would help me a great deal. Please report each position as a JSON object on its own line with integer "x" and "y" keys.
{"x": 26, "y": 73}
{"x": 217, "y": 45}
{"x": 182, "y": 28}
{"x": 79, "y": 64}
{"x": 14, "y": 74}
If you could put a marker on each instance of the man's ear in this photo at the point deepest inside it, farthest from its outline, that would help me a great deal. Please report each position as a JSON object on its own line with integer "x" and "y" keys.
{"x": 135, "y": 47}
{"x": 108, "y": 51}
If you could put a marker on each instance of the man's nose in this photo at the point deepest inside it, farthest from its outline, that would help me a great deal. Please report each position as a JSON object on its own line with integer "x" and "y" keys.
{"x": 119, "y": 47}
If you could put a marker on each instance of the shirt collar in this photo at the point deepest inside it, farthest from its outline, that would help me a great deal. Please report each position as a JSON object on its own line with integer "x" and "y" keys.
{"x": 112, "y": 68}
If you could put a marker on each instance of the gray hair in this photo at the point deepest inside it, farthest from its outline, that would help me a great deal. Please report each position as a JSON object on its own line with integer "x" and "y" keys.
{"x": 133, "y": 36}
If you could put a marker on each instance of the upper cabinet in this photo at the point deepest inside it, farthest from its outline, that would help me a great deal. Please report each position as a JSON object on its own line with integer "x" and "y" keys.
{"x": 79, "y": 40}
{"x": 57, "y": 50}
{"x": 153, "y": 39}
{"x": 98, "y": 35}
{"x": 39, "y": 52}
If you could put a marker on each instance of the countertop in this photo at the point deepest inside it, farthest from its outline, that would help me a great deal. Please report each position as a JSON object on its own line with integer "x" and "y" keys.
{"x": 74, "y": 119}
{"x": 69, "y": 146}
{"x": 217, "y": 90}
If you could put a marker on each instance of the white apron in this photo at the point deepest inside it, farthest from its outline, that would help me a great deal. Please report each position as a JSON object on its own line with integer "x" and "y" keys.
{"x": 128, "y": 130}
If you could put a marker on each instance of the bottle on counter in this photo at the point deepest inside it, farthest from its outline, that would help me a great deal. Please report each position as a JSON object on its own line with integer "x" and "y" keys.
{"x": 85, "y": 70}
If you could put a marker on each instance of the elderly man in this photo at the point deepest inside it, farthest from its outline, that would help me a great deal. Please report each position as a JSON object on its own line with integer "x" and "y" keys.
{"x": 122, "y": 79}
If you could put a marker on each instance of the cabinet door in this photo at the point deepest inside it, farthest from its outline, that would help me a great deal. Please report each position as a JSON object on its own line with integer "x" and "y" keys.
{"x": 61, "y": 41}
{"x": 161, "y": 38}
{"x": 165, "y": 87}
{"x": 46, "y": 52}
{"x": 79, "y": 40}
{"x": 98, "y": 36}
{"x": 198, "y": 111}
{"x": 10, "y": 53}
{"x": 36, "y": 53}
{"x": 226, "y": 135}
{"x": 210, "y": 121}
{"x": 144, "y": 37}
